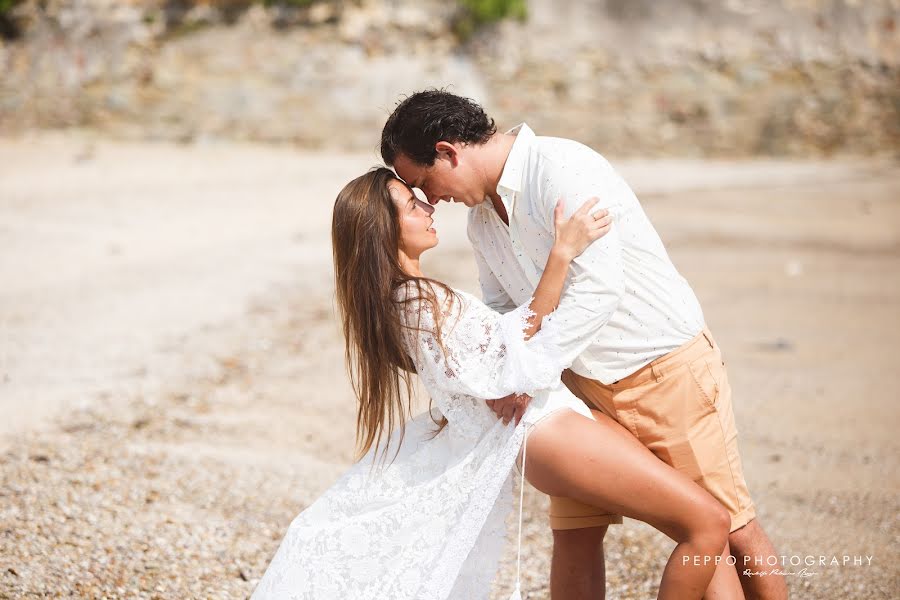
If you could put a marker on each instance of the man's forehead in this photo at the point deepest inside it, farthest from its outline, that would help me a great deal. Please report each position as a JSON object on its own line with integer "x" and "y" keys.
{"x": 407, "y": 169}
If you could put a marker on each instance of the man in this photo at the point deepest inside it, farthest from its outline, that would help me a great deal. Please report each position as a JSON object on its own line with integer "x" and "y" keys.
{"x": 630, "y": 325}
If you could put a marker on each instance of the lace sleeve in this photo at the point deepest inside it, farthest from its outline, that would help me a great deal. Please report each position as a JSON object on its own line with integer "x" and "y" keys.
{"x": 477, "y": 351}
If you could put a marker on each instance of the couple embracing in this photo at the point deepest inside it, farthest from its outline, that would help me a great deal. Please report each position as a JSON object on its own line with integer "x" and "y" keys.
{"x": 586, "y": 366}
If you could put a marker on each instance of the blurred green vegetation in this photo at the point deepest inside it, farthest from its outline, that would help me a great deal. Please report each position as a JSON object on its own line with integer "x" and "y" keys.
{"x": 475, "y": 13}
{"x": 5, "y": 5}
{"x": 8, "y": 28}
{"x": 487, "y": 11}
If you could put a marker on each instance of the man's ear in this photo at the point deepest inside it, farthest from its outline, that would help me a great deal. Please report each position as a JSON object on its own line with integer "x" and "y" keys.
{"x": 447, "y": 151}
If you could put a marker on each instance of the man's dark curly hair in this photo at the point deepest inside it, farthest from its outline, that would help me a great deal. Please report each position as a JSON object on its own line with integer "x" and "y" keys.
{"x": 425, "y": 118}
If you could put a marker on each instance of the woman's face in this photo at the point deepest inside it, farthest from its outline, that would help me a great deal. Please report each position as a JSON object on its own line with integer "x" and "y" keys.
{"x": 416, "y": 231}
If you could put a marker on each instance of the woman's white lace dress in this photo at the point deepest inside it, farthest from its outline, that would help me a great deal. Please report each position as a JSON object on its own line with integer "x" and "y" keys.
{"x": 431, "y": 524}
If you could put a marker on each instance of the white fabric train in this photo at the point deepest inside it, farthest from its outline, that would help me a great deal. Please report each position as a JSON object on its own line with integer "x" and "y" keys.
{"x": 431, "y": 524}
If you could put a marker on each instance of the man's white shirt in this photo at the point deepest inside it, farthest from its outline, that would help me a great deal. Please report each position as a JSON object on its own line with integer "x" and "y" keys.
{"x": 625, "y": 304}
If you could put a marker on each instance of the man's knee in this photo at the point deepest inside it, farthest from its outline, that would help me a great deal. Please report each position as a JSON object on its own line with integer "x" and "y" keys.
{"x": 581, "y": 540}
{"x": 750, "y": 540}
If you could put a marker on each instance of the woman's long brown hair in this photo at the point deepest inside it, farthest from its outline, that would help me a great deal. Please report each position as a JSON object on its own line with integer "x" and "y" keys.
{"x": 365, "y": 235}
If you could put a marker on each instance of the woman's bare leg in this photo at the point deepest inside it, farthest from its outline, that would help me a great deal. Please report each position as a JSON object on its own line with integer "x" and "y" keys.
{"x": 725, "y": 584}
{"x": 601, "y": 463}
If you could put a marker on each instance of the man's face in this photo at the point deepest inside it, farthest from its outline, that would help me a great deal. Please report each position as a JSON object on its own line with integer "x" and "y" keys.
{"x": 450, "y": 178}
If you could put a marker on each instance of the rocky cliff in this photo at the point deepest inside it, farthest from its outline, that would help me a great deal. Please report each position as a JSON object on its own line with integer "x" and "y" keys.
{"x": 631, "y": 77}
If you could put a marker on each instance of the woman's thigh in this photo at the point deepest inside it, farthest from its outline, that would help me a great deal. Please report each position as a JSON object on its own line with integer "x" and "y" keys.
{"x": 599, "y": 462}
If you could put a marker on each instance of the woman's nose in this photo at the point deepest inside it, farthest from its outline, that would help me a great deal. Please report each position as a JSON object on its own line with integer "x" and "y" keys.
{"x": 426, "y": 207}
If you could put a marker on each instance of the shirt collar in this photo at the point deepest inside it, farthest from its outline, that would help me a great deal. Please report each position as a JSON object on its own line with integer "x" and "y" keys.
{"x": 511, "y": 178}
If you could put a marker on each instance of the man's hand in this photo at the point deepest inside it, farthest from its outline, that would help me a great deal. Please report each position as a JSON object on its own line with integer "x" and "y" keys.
{"x": 510, "y": 407}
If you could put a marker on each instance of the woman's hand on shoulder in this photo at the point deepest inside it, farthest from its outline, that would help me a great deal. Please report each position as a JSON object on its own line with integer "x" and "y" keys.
{"x": 576, "y": 233}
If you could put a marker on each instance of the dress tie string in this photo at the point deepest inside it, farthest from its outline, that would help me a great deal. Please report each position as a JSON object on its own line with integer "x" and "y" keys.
{"x": 517, "y": 592}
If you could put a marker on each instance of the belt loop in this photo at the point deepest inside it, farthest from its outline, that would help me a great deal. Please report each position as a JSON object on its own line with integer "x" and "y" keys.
{"x": 657, "y": 374}
{"x": 709, "y": 338}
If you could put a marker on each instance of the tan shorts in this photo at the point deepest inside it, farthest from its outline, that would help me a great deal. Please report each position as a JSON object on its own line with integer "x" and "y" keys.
{"x": 678, "y": 406}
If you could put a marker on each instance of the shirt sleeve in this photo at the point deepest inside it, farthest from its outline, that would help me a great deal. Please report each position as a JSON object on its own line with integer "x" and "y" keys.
{"x": 596, "y": 278}
{"x": 475, "y": 351}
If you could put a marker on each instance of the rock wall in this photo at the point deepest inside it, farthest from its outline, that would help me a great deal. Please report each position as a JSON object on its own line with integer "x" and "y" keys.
{"x": 631, "y": 77}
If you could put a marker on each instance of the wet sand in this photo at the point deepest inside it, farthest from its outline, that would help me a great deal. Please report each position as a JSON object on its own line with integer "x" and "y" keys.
{"x": 172, "y": 381}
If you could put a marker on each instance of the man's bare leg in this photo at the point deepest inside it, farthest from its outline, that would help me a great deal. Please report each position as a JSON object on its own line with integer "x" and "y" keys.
{"x": 578, "y": 569}
{"x": 748, "y": 544}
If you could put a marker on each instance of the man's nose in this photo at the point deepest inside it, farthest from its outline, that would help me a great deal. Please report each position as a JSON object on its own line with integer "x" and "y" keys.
{"x": 432, "y": 200}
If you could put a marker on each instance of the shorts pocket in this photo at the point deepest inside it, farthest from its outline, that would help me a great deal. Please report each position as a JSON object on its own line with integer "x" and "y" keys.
{"x": 707, "y": 382}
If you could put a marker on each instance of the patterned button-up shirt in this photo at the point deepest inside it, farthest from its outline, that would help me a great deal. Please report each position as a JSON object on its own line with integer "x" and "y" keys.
{"x": 624, "y": 304}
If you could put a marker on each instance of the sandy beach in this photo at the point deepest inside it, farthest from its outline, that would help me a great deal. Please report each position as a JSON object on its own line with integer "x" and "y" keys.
{"x": 173, "y": 387}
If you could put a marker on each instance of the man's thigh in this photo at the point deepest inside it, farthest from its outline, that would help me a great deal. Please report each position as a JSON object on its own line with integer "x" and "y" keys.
{"x": 686, "y": 418}
{"x": 679, "y": 407}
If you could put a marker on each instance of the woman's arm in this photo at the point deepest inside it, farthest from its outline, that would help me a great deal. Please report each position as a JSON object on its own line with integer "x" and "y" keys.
{"x": 479, "y": 352}
{"x": 573, "y": 236}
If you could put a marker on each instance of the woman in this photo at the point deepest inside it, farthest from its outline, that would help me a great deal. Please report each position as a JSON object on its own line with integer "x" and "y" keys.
{"x": 430, "y": 522}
